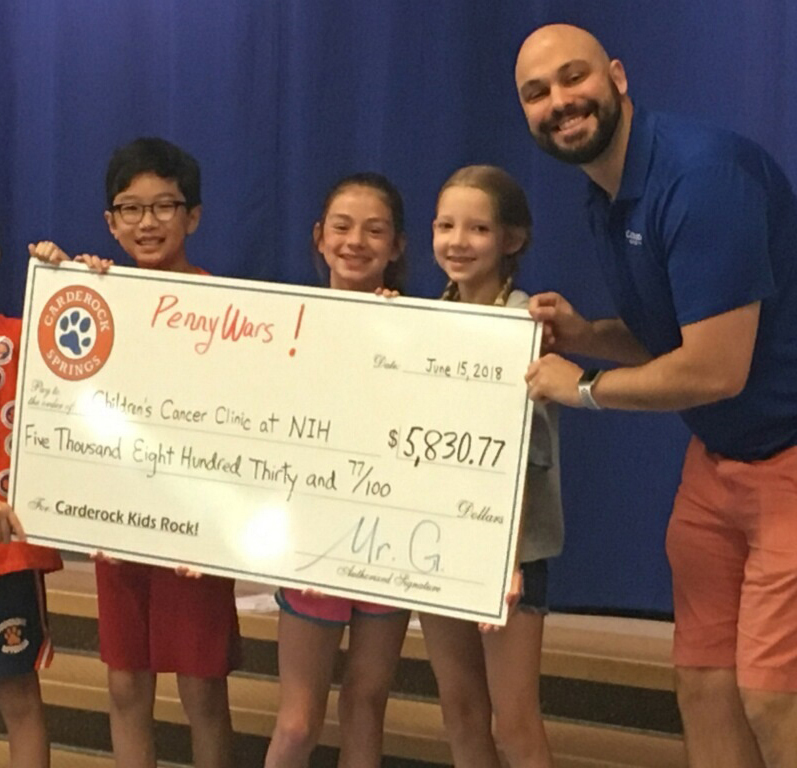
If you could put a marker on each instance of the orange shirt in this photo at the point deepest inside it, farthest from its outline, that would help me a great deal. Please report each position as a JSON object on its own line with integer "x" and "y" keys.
{"x": 15, "y": 556}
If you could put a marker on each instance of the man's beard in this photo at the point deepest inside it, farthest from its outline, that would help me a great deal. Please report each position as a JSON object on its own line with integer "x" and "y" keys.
{"x": 608, "y": 116}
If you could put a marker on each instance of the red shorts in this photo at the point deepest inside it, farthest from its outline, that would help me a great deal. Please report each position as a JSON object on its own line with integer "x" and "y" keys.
{"x": 328, "y": 609}
{"x": 152, "y": 619}
{"x": 732, "y": 545}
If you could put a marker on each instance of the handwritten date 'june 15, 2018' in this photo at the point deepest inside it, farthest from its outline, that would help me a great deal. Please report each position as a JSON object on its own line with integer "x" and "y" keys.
{"x": 419, "y": 444}
{"x": 463, "y": 369}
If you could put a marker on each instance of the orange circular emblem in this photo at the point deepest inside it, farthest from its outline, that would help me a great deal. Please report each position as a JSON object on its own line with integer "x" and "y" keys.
{"x": 75, "y": 333}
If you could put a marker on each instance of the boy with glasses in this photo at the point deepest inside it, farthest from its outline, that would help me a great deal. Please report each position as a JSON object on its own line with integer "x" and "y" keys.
{"x": 153, "y": 619}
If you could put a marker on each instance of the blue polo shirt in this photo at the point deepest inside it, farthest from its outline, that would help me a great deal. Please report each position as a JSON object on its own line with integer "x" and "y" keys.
{"x": 706, "y": 222}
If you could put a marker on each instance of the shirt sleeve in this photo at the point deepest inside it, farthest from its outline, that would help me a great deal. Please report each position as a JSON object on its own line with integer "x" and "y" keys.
{"x": 716, "y": 240}
{"x": 541, "y": 449}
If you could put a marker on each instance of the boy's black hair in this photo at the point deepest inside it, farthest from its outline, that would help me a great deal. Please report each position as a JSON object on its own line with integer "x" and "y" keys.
{"x": 153, "y": 155}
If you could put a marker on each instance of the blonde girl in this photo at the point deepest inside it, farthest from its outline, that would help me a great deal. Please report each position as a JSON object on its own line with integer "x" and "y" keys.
{"x": 481, "y": 228}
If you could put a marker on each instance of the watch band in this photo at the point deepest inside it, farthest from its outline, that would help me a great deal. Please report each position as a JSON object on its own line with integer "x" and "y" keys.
{"x": 585, "y": 384}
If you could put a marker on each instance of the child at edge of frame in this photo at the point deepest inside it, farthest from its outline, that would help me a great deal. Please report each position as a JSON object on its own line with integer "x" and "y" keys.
{"x": 25, "y": 645}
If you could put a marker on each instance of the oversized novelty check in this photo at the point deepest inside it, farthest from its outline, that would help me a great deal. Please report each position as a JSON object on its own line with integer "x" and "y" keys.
{"x": 304, "y": 437}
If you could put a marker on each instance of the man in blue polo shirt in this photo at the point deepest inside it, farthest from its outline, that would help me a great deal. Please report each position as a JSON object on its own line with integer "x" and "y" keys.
{"x": 696, "y": 231}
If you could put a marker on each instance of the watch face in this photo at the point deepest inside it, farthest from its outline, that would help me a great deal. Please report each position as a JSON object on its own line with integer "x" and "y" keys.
{"x": 585, "y": 384}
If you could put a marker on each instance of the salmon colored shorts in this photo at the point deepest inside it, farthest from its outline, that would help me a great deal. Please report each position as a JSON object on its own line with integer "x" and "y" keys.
{"x": 328, "y": 609}
{"x": 732, "y": 545}
{"x": 152, "y": 619}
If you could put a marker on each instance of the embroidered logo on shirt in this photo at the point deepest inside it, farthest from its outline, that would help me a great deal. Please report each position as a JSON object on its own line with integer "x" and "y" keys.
{"x": 633, "y": 238}
{"x": 12, "y": 632}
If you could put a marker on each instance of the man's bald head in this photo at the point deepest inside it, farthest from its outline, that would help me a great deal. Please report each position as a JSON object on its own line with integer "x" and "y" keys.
{"x": 573, "y": 95}
{"x": 557, "y": 40}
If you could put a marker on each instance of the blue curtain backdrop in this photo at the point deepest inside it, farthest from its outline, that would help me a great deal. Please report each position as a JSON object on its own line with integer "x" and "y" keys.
{"x": 278, "y": 98}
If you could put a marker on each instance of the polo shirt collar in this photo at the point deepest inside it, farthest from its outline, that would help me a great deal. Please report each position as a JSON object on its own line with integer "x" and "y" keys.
{"x": 637, "y": 156}
{"x": 637, "y": 160}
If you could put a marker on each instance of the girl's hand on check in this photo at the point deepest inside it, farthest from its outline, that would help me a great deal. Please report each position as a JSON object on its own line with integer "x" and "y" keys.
{"x": 387, "y": 293}
{"x": 512, "y": 599}
{"x": 313, "y": 593}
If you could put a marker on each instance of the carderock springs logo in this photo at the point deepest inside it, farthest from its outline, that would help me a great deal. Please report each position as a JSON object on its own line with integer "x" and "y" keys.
{"x": 75, "y": 333}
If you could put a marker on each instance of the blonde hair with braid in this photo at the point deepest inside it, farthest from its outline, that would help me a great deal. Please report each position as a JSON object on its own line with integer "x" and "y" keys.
{"x": 511, "y": 211}
{"x": 451, "y": 292}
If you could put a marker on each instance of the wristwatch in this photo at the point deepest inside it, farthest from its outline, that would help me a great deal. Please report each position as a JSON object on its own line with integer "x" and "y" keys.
{"x": 585, "y": 384}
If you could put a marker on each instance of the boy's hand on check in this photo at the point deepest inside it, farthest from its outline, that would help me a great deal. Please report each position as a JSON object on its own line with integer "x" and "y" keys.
{"x": 101, "y": 557}
{"x": 94, "y": 262}
{"x": 186, "y": 572}
{"x": 48, "y": 251}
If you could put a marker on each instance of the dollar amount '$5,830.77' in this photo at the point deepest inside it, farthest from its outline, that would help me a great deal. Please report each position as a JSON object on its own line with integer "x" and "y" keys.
{"x": 420, "y": 444}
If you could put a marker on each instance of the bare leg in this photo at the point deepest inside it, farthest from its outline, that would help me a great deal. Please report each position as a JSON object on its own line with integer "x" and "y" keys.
{"x": 307, "y": 653}
{"x": 457, "y": 658}
{"x": 374, "y": 650}
{"x": 716, "y": 730}
{"x": 208, "y": 709}
{"x": 22, "y": 711}
{"x": 132, "y": 697}
{"x": 773, "y": 718}
{"x": 512, "y": 656}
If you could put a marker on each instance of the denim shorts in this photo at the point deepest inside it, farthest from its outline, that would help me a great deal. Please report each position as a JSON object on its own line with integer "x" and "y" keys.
{"x": 534, "y": 596}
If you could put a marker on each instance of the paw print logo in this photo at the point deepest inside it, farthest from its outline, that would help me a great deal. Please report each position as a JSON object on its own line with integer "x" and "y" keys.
{"x": 76, "y": 333}
{"x": 12, "y": 632}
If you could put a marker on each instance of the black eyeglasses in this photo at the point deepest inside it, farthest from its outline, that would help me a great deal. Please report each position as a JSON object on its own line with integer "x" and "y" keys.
{"x": 163, "y": 210}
